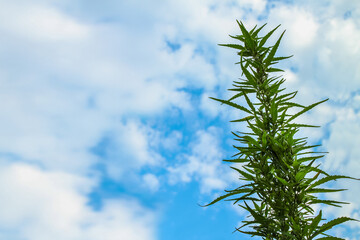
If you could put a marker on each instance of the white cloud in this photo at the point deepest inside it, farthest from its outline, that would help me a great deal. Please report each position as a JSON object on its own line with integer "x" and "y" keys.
{"x": 172, "y": 141}
{"x": 41, "y": 205}
{"x": 324, "y": 45}
{"x": 49, "y": 126}
{"x": 67, "y": 95}
{"x": 204, "y": 164}
{"x": 127, "y": 148}
{"x": 208, "y": 106}
{"x": 151, "y": 181}
{"x": 257, "y": 6}
{"x": 301, "y": 26}
{"x": 343, "y": 142}
{"x": 121, "y": 219}
{"x": 40, "y": 23}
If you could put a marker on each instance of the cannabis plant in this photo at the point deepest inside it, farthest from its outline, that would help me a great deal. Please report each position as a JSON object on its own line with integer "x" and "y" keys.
{"x": 280, "y": 172}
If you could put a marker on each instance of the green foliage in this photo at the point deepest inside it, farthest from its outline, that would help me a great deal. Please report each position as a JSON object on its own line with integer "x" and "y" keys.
{"x": 278, "y": 167}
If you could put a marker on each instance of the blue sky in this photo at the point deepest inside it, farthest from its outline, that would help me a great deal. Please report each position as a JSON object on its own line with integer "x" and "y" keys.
{"x": 107, "y": 129}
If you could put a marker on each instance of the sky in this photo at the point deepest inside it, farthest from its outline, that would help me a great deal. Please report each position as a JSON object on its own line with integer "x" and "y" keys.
{"x": 107, "y": 129}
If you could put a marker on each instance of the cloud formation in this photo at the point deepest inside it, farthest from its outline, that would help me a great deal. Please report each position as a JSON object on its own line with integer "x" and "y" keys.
{"x": 38, "y": 204}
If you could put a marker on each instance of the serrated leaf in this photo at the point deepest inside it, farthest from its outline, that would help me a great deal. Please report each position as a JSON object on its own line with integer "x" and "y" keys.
{"x": 248, "y": 39}
{"x": 329, "y": 178}
{"x": 327, "y": 226}
{"x": 305, "y": 159}
{"x": 255, "y": 33}
{"x": 243, "y": 119}
{"x": 249, "y": 102}
{"x": 246, "y": 175}
{"x": 274, "y": 70}
{"x": 252, "y": 233}
{"x": 232, "y": 105}
{"x": 292, "y": 95}
{"x": 324, "y": 190}
{"x": 235, "y": 96}
{"x": 248, "y": 75}
{"x": 238, "y": 160}
{"x": 305, "y": 110}
{"x": 328, "y": 202}
{"x": 298, "y": 125}
{"x": 231, "y": 193}
{"x": 238, "y": 37}
{"x": 330, "y": 238}
{"x": 315, "y": 222}
{"x": 290, "y": 104}
{"x": 252, "y": 30}
{"x": 282, "y": 58}
{"x": 250, "y": 140}
{"x": 257, "y": 217}
{"x": 236, "y": 46}
{"x": 271, "y": 54}
{"x": 256, "y": 130}
{"x": 266, "y": 37}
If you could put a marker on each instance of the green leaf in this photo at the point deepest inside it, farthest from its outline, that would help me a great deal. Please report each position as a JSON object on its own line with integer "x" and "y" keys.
{"x": 315, "y": 222}
{"x": 249, "y": 103}
{"x": 328, "y": 202}
{"x": 323, "y": 190}
{"x": 248, "y": 75}
{"x": 327, "y": 226}
{"x": 305, "y": 159}
{"x": 237, "y": 160}
{"x": 243, "y": 119}
{"x": 274, "y": 70}
{"x": 259, "y": 218}
{"x": 256, "y": 130}
{"x": 263, "y": 138}
{"x": 235, "y": 96}
{"x": 266, "y": 37}
{"x": 231, "y": 193}
{"x": 252, "y": 30}
{"x": 330, "y": 238}
{"x": 248, "y": 40}
{"x": 250, "y": 232}
{"x": 315, "y": 169}
{"x": 238, "y": 37}
{"x": 329, "y": 178}
{"x": 283, "y": 181}
{"x": 244, "y": 174}
{"x": 236, "y": 46}
{"x": 292, "y": 95}
{"x": 271, "y": 54}
{"x": 300, "y": 175}
{"x": 250, "y": 140}
{"x": 305, "y": 110}
{"x": 255, "y": 33}
{"x": 297, "y": 125}
{"x": 282, "y": 58}
{"x": 274, "y": 111}
{"x": 232, "y": 104}
{"x": 243, "y": 198}
{"x": 290, "y": 104}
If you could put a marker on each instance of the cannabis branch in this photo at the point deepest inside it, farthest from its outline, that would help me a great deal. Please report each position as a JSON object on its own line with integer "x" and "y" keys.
{"x": 279, "y": 168}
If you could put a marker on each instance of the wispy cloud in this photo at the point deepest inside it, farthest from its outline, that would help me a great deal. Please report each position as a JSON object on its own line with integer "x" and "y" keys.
{"x": 38, "y": 204}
